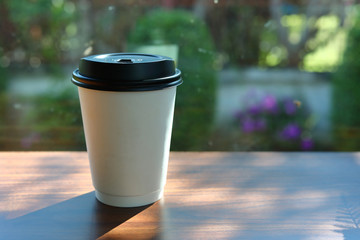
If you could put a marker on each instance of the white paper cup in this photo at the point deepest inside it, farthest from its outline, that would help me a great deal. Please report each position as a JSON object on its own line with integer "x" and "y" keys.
{"x": 128, "y": 133}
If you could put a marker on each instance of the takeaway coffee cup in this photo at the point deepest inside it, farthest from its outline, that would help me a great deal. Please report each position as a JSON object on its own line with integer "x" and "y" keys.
{"x": 127, "y": 105}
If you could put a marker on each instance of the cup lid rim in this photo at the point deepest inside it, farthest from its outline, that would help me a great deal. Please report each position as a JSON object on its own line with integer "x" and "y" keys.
{"x": 126, "y": 72}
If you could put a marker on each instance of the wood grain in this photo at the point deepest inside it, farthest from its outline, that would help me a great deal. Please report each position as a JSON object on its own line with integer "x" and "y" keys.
{"x": 209, "y": 195}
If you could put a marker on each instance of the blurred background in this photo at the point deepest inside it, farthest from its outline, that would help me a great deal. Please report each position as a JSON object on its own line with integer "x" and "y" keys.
{"x": 265, "y": 75}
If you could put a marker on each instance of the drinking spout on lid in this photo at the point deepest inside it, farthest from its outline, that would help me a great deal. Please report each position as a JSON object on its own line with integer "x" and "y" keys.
{"x": 125, "y": 60}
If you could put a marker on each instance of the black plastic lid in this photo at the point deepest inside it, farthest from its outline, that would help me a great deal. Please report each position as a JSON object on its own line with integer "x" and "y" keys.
{"x": 126, "y": 72}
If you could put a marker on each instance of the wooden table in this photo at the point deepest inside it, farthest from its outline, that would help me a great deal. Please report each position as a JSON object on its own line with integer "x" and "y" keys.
{"x": 209, "y": 195}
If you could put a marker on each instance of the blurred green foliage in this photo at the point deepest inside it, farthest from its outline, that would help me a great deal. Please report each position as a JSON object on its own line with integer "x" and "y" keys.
{"x": 55, "y": 118}
{"x": 346, "y": 93}
{"x": 54, "y": 107}
{"x": 194, "y": 110}
{"x": 237, "y": 32}
{"x": 315, "y": 49}
{"x": 42, "y": 29}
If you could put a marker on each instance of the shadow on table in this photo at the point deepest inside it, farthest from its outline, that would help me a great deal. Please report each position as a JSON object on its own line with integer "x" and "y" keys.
{"x": 82, "y": 217}
{"x": 348, "y": 218}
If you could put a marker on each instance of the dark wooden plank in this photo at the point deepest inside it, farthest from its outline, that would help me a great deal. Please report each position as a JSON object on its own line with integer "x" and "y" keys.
{"x": 209, "y": 195}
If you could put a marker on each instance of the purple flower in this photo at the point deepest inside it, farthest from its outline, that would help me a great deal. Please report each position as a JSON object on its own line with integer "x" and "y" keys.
{"x": 270, "y": 104}
{"x": 291, "y": 131}
{"x": 249, "y": 125}
{"x": 260, "y": 125}
{"x": 290, "y": 107}
{"x": 254, "y": 109}
{"x": 307, "y": 144}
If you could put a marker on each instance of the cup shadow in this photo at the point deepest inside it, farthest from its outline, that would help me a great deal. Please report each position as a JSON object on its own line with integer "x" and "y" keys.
{"x": 82, "y": 217}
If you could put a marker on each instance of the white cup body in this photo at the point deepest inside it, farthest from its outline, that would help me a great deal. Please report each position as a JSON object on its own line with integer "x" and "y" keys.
{"x": 128, "y": 141}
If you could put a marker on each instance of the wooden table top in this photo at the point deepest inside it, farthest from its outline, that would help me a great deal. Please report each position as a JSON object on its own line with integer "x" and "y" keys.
{"x": 209, "y": 195}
